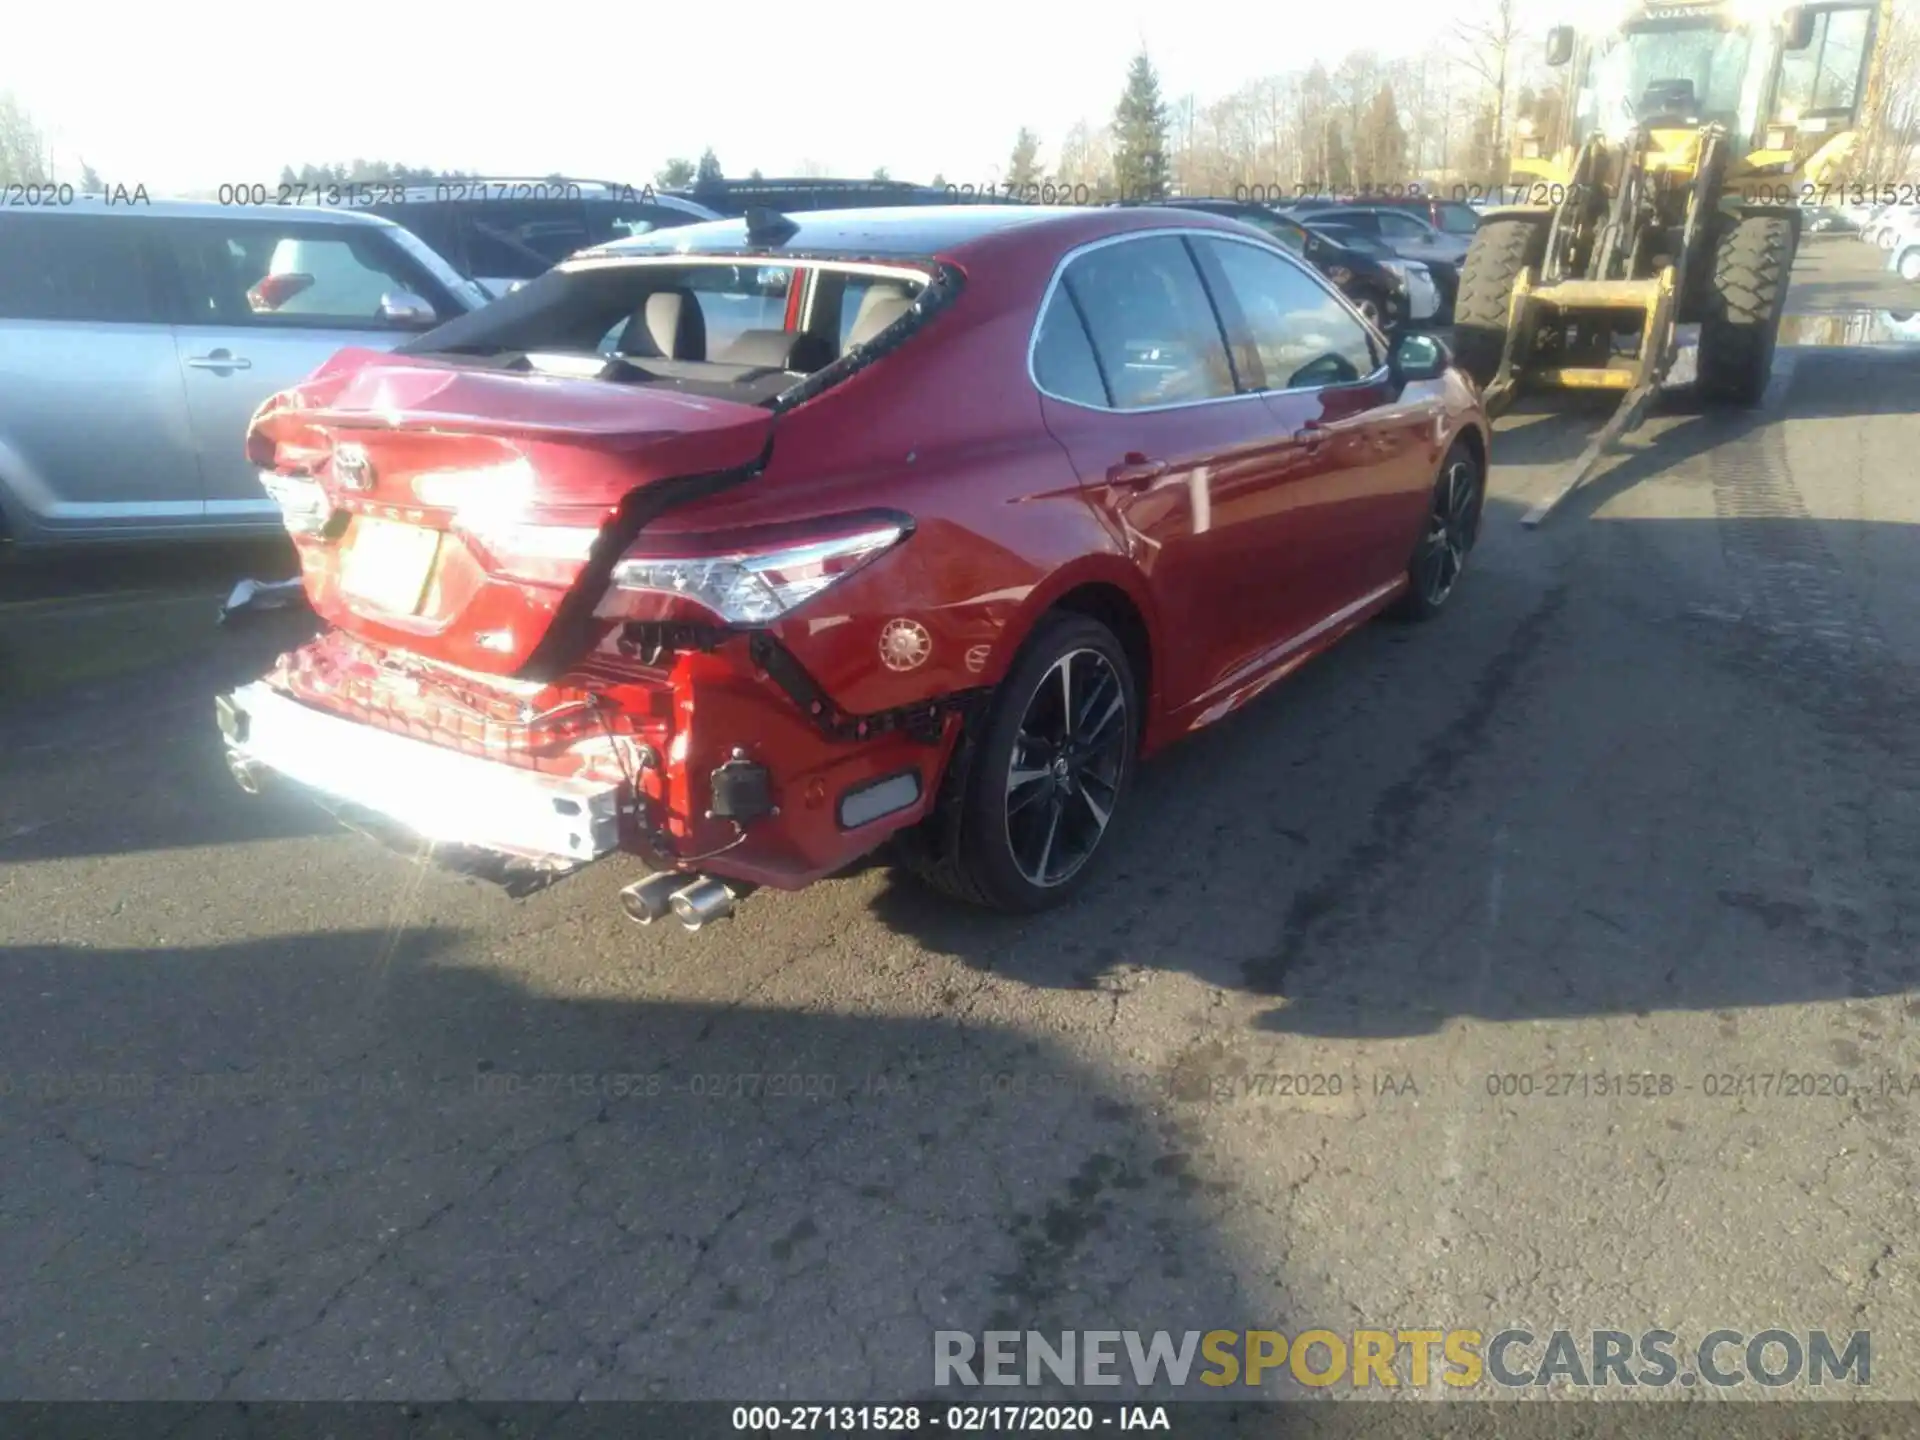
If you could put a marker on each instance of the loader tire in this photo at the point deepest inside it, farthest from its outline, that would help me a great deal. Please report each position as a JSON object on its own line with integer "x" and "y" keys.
{"x": 1501, "y": 249}
{"x": 1751, "y": 265}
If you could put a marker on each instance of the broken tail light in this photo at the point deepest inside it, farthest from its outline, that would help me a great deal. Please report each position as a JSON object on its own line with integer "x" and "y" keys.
{"x": 757, "y": 582}
{"x": 275, "y": 290}
{"x": 524, "y": 550}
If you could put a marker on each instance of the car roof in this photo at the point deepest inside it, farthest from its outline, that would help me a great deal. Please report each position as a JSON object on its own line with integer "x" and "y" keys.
{"x": 120, "y": 207}
{"x": 482, "y": 194}
{"x": 916, "y": 232}
{"x": 1212, "y": 203}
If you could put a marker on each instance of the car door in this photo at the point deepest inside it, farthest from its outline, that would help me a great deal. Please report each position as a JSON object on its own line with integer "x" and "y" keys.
{"x": 1190, "y": 470}
{"x": 94, "y": 430}
{"x": 1414, "y": 239}
{"x": 1369, "y": 448}
{"x": 260, "y": 305}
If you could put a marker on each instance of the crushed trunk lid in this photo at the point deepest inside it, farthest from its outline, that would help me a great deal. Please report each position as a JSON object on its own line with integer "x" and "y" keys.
{"x": 469, "y": 515}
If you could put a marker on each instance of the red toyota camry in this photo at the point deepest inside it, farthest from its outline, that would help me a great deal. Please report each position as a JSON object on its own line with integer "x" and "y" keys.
{"x": 747, "y": 546}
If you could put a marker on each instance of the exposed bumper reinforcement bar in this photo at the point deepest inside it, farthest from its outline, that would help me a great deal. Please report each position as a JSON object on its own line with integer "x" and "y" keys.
{"x": 441, "y": 795}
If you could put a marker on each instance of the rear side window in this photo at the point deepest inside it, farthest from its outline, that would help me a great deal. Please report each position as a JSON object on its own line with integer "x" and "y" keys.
{"x": 1361, "y": 222}
{"x": 1396, "y": 226}
{"x": 75, "y": 267}
{"x": 1285, "y": 231}
{"x": 1063, "y": 360}
{"x": 280, "y": 276}
{"x": 516, "y": 240}
{"x": 1152, "y": 325}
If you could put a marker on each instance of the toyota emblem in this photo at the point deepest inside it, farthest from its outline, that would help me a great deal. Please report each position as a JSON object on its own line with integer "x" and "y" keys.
{"x": 352, "y": 468}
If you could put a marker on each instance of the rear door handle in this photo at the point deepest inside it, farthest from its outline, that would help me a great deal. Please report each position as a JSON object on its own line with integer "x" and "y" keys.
{"x": 1136, "y": 470}
{"x": 1313, "y": 434}
{"x": 220, "y": 360}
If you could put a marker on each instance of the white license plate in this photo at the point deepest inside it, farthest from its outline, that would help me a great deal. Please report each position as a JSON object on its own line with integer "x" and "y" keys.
{"x": 389, "y": 564}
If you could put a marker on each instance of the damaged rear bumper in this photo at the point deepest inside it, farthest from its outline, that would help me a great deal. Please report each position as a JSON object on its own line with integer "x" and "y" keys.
{"x": 729, "y": 762}
{"x": 437, "y": 793}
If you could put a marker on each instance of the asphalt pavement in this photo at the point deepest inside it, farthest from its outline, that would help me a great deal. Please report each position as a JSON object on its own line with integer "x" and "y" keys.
{"x": 284, "y": 1114}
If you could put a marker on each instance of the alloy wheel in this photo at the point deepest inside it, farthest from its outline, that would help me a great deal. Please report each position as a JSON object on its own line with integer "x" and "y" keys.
{"x": 1069, "y": 757}
{"x": 1910, "y": 265}
{"x": 1452, "y": 527}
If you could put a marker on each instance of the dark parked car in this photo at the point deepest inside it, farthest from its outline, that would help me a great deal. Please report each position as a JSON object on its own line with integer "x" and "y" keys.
{"x": 1454, "y": 217}
{"x": 1388, "y": 291}
{"x": 735, "y": 197}
{"x": 502, "y": 232}
{"x": 1400, "y": 231}
{"x": 995, "y": 501}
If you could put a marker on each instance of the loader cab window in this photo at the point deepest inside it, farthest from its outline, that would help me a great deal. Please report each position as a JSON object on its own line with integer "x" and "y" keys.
{"x": 1683, "y": 72}
{"x": 1825, "y": 80}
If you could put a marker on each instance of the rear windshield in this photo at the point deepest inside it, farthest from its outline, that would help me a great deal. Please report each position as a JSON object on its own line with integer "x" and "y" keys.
{"x": 741, "y": 329}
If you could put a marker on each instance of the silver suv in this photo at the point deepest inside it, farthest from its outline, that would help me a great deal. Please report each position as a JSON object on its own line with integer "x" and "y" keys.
{"x": 136, "y": 341}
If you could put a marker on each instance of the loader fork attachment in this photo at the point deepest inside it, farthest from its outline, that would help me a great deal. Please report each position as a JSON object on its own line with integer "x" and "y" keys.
{"x": 1641, "y": 383}
{"x": 1592, "y": 270}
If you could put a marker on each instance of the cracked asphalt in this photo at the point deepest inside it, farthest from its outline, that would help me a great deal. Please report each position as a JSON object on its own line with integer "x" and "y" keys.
{"x": 284, "y": 1115}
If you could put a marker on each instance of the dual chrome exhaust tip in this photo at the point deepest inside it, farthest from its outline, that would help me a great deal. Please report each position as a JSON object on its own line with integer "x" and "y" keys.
{"x": 694, "y": 904}
{"x": 248, "y": 774}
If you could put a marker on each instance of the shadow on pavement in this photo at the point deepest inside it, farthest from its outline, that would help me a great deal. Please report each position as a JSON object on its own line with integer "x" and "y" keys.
{"x": 1455, "y": 819}
{"x": 361, "y": 1165}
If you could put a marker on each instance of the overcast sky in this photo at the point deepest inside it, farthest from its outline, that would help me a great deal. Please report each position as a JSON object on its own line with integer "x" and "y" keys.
{"x": 190, "y": 96}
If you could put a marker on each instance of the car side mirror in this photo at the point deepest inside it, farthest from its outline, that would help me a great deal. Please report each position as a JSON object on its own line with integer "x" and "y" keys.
{"x": 1418, "y": 357}
{"x": 401, "y": 307}
{"x": 1559, "y": 45}
{"x": 1797, "y": 24}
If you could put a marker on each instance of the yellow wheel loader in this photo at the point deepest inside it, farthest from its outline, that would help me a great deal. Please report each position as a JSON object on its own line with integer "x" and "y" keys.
{"x": 1691, "y": 137}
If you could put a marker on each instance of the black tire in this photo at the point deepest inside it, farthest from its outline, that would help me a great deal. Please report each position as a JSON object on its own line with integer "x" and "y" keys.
{"x": 970, "y": 847}
{"x": 1447, "y": 536}
{"x": 1378, "y": 310}
{"x": 1751, "y": 265}
{"x": 1499, "y": 251}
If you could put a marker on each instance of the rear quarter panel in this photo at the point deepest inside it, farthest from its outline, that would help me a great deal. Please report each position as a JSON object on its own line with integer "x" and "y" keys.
{"x": 948, "y": 430}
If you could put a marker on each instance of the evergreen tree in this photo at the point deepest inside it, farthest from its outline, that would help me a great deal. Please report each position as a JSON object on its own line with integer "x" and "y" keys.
{"x": 1140, "y": 167}
{"x": 708, "y": 177}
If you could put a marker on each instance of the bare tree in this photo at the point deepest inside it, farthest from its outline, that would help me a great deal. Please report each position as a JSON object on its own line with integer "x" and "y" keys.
{"x": 1182, "y": 130}
{"x": 23, "y": 146}
{"x": 1890, "y": 111}
{"x": 1023, "y": 170}
{"x": 1489, "y": 51}
{"x": 1084, "y": 156}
